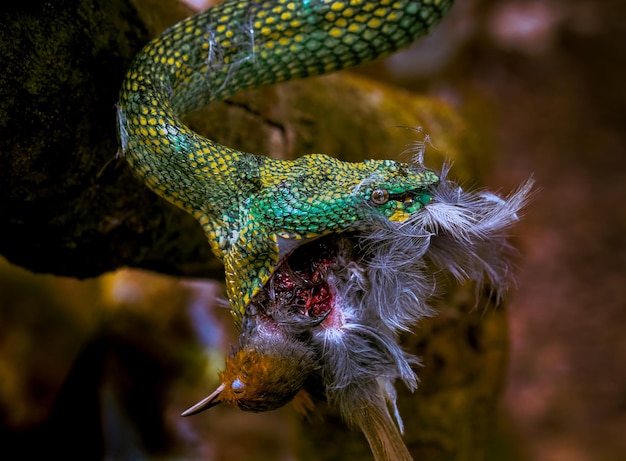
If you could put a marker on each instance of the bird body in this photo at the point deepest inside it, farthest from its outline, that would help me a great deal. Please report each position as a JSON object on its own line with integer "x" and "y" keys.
{"x": 325, "y": 261}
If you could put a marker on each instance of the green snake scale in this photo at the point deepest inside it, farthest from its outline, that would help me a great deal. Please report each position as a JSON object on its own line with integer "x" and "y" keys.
{"x": 253, "y": 208}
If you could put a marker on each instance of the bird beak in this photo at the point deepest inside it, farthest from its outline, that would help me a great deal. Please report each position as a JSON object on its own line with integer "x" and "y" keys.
{"x": 205, "y": 403}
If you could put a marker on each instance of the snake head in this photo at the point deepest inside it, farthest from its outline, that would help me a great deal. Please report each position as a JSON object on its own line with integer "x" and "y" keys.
{"x": 316, "y": 194}
{"x": 302, "y": 200}
{"x": 397, "y": 190}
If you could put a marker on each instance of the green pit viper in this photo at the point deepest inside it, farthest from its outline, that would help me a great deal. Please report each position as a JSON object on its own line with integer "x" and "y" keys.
{"x": 248, "y": 203}
{"x": 257, "y": 211}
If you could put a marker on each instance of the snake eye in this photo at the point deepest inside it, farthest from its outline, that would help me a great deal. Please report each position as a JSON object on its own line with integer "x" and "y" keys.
{"x": 380, "y": 196}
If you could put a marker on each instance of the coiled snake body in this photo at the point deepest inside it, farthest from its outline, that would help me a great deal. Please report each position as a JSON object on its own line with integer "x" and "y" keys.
{"x": 326, "y": 315}
{"x": 246, "y": 202}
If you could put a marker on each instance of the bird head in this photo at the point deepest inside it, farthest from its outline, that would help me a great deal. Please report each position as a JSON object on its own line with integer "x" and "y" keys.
{"x": 261, "y": 376}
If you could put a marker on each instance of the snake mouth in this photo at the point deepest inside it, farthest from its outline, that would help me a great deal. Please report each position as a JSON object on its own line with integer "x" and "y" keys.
{"x": 303, "y": 292}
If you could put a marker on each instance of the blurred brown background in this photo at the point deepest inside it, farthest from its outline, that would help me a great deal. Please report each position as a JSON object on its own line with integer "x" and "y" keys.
{"x": 552, "y": 72}
{"x": 549, "y": 79}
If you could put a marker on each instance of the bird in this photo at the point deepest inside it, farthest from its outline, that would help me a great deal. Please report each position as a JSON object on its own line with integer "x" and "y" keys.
{"x": 326, "y": 262}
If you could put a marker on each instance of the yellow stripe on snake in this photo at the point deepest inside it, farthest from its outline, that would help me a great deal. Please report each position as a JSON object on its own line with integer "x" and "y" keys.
{"x": 326, "y": 261}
